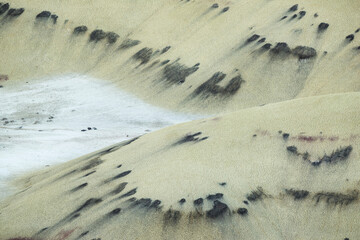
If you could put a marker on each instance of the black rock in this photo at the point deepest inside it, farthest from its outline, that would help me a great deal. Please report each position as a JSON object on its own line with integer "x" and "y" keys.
{"x": 183, "y": 200}
{"x": 242, "y": 211}
{"x": 222, "y": 184}
{"x": 211, "y": 87}
{"x": 357, "y": 30}
{"x": 165, "y": 49}
{"x": 283, "y": 18}
{"x": 214, "y": 196}
{"x": 155, "y": 204}
{"x": 97, "y": 35}
{"x": 165, "y": 62}
{"x": 253, "y": 38}
{"x": 225, "y": 9}
{"x": 322, "y": 27}
{"x": 266, "y": 46}
{"x": 302, "y": 14}
{"x": 292, "y": 149}
{"x": 112, "y": 37}
{"x": 143, "y": 202}
{"x": 350, "y": 37}
{"x": 14, "y": 12}
{"x": 80, "y": 29}
{"x": 297, "y": 194}
{"x": 294, "y": 8}
{"x": 262, "y": 40}
{"x": 43, "y": 15}
{"x": 316, "y": 15}
{"x": 215, "y": 5}
{"x": 315, "y": 164}
{"x": 285, "y": 136}
{"x": 143, "y": 55}
{"x": 4, "y": 8}
{"x": 304, "y": 52}
{"x": 114, "y": 212}
{"x": 281, "y": 48}
{"x": 218, "y": 209}
{"x": 198, "y": 201}
{"x": 294, "y": 16}
{"x": 177, "y": 73}
{"x": 246, "y": 202}
{"x": 256, "y": 195}
{"x": 54, "y": 17}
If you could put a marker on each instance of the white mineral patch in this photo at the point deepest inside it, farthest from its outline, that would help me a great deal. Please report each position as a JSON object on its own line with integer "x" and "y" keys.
{"x": 41, "y": 121}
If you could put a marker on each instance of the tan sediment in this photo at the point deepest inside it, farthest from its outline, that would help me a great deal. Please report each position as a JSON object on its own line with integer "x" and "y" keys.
{"x": 165, "y": 169}
{"x": 315, "y": 101}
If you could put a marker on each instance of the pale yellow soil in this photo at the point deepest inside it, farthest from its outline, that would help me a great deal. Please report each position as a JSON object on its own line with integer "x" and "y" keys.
{"x": 315, "y": 101}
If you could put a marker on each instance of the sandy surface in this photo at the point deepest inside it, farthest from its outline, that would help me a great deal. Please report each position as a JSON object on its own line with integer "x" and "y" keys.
{"x": 244, "y": 150}
{"x": 278, "y": 161}
{"x": 196, "y": 33}
{"x": 51, "y": 120}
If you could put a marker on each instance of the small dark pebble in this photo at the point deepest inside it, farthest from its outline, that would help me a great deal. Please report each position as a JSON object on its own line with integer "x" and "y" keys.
{"x": 246, "y": 202}
{"x": 222, "y": 184}
{"x": 283, "y": 18}
{"x": 218, "y": 210}
{"x": 225, "y": 9}
{"x": 350, "y": 37}
{"x": 294, "y": 16}
{"x": 44, "y": 14}
{"x": 302, "y": 14}
{"x": 115, "y": 211}
{"x": 323, "y": 26}
{"x": 254, "y": 135}
{"x": 357, "y": 30}
{"x": 285, "y": 136}
{"x": 155, "y": 204}
{"x": 315, "y": 164}
{"x": 183, "y": 200}
{"x": 198, "y": 201}
{"x": 215, "y": 5}
{"x": 266, "y": 46}
{"x": 316, "y": 15}
{"x": 165, "y": 62}
{"x": 89, "y": 128}
{"x": 292, "y": 149}
{"x": 293, "y": 8}
{"x": 83, "y": 130}
{"x": 242, "y": 211}
{"x": 262, "y": 40}
{"x": 253, "y": 38}
{"x": 214, "y": 196}
{"x": 84, "y": 233}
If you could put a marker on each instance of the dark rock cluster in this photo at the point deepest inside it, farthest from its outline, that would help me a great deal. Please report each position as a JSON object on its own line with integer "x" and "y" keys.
{"x": 143, "y": 55}
{"x": 176, "y": 73}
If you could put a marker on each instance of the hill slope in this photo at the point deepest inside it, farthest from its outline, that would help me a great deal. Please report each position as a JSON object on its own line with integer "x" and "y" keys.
{"x": 190, "y": 55}
{"x": 283, "y": 171}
